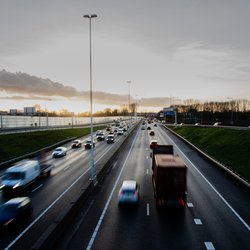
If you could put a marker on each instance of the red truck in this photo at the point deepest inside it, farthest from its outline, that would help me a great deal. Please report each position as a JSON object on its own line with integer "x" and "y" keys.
{"x": 169, "y": 176}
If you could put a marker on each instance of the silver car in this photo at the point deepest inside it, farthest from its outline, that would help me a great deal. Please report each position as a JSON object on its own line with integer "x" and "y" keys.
{"x": 59, "y": 152}
{"x": 128, "y": 193}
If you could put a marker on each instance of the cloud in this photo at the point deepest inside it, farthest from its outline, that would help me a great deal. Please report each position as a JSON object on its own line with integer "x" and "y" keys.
{"x": 22, "y": 86}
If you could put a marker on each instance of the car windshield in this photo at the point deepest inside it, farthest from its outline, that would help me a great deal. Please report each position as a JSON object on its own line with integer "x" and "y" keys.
{"x": 58, "y": 149}
{"x": 13, "y": 176}
{"x": 128, "y": 192}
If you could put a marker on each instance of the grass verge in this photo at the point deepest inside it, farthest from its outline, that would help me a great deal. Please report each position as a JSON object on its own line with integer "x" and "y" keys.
{"x": 14, "y": 145}
{"x": 231, "y": 147}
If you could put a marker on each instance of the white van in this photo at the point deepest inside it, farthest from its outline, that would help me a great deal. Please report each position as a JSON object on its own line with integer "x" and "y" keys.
{"x": 20, "y": 175}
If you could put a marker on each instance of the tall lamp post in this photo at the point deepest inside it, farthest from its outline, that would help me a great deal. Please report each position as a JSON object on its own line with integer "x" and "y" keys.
{"x": 93, "y": 177}
{"x": 129, "y": 82}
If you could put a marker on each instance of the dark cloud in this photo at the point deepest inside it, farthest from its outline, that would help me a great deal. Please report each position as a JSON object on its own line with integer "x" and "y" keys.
{"x": 22, "y": 86}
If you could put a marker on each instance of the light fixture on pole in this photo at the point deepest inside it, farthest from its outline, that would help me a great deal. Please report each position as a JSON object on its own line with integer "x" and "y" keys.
{"x": 93, "y": 177}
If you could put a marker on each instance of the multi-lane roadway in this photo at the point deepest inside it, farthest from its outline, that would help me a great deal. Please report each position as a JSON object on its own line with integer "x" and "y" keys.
{"x": 216, "y": 215}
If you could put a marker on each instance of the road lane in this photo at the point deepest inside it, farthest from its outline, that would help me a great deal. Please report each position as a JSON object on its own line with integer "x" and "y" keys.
{"x": 47, "y": 192}
{"x": 206, "y": 222}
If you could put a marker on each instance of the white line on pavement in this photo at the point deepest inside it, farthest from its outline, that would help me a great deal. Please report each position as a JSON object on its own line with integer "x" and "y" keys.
{"x": 91, "y": 242}
{"x": 36, "y": 188}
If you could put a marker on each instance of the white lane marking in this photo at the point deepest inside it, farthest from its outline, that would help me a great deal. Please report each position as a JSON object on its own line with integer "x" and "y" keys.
{"x": 146, "y": 148}
{"x": 114, "y": 165}
{"x": 147, "y": 209}
{"x": 147, "y": 157}
{"x": 197, "y": 222}
{"x": 67, "y": 167}
{"x": 36, "y": 188}
{"x": 147, "y": 171}
{"x": 190, "y": 204}
{"x": 92, "y": 239}
{"x": 215, "y": 190}
{"x": 209, "y": 245}
{"x": 53, "y": 203}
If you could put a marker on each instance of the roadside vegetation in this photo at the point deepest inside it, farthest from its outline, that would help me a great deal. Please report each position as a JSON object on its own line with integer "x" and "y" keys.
{"x": 229, "y": 146}
{"x": 15, "y": 145}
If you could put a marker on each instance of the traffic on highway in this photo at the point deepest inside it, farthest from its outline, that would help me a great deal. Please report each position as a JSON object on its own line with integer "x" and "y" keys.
{"x": 153, "y": 191}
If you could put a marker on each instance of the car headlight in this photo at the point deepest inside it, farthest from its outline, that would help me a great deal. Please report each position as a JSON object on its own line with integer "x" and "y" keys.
{"x": 16, "y": 186}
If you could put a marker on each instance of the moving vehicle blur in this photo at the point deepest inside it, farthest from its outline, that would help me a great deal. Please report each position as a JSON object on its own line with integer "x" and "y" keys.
{"x": 87, "y": 144}
{"x": 100, "y": 136}
{"x": 120, "y": 132}
{"x": 169, "y": 177}
{"x": 152, "y": 133}
{"x": 14, "y": 211}
{"x": 22, "y": 174}
{"x": 110, "y": 139}
{"x": 128, "y": 193}
{"x": 153, "y": 143}
{"x": 76, "y": 144}
{"x": 59, "y": 152}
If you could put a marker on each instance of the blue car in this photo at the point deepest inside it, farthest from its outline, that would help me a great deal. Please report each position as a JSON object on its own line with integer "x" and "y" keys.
{"x": 14, "y": 211}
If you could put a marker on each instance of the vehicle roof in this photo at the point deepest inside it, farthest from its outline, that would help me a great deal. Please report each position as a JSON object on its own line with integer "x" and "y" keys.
{"x": 59, "y": 148}
{"x": 129, "y": 185}
{"x": 153, "y": 141}
{"x": 169, "y": 161}
{"x": 22, "y": 165}
{"x": 17, "y": 200}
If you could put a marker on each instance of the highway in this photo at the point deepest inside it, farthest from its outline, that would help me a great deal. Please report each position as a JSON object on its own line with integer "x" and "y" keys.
{"x": 216, "y": 215}
{"x": 50, "y": 195}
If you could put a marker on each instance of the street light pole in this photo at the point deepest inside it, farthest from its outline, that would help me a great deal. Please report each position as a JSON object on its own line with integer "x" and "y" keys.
{"x": 129, "y": 82}
{"x": 93, "y": 177}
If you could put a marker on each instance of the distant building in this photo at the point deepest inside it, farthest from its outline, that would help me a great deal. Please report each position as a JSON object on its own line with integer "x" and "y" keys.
{"x": 29, "y": 110}
{"x": 15, "y": 112}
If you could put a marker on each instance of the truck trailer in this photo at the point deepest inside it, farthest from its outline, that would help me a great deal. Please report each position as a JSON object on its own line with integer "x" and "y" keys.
{"x": 169, "y": 177}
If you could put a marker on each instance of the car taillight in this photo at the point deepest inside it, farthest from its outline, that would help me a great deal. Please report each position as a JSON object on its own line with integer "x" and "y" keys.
{"x": 121, "y": 193}
{"x": 136, "y": 194}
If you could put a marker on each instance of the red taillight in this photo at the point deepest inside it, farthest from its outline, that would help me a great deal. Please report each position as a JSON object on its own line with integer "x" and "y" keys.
{"x": 182, "y": 202}
{"x": 136, "y": 194}
{"x": 121, "y": 193}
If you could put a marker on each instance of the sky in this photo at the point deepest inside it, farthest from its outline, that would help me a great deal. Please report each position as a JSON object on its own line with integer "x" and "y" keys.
{"x": 160, "y": 51}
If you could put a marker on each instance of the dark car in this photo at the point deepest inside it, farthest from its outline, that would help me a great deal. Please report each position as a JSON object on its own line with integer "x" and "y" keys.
{"x": 155, "y": 125}
{"x": 14, "y": 211}
{"x": 88, "y": 144}
{"x": 100, "y": 136}
{"x": 148, "y": 128}
{"x": 152, "y": 133}
{"x": 153, "y": 144}
{"x": 76, "y": 144}
{"x": 110, "y": 139}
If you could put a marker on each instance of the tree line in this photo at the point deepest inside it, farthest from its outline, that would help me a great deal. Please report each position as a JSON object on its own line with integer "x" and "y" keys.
{"x": 232, "y": 112}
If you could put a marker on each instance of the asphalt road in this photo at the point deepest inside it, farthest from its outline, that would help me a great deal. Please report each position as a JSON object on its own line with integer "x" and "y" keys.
{"x": 216, "y": 215}
{"x": 51, "y": 195}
